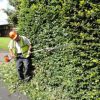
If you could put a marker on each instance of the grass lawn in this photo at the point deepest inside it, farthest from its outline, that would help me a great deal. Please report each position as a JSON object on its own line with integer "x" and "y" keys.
{"x": 4, "y": 41}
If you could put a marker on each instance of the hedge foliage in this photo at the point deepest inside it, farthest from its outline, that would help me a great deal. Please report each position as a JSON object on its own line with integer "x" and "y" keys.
{"x": 71, "y": 72}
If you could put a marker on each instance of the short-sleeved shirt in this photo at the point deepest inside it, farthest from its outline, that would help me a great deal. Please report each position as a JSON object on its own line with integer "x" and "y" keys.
{"x": 17, "y": 44}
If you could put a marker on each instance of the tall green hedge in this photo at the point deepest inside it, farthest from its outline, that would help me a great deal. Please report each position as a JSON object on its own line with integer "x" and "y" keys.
{"x": 69, "y": 72}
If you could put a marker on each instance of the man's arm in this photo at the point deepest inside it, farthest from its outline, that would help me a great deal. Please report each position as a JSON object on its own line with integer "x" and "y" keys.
{"x": 10, "y": 46}
{"x": 11, "y": 53}
{"x": 30, "y": 49}
{"x": 27, "y": 41}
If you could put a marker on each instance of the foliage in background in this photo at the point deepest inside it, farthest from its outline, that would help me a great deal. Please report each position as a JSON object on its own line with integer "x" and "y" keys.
{"x": 71, "y": 72}
{"x": 4, "y": 43}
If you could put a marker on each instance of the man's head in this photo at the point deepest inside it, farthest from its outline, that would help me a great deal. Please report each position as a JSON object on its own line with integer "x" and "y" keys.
{"x": 14, "y": 35}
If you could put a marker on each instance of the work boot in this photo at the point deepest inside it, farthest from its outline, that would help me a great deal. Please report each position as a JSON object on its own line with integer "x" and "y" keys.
{"x": 28, "y": 78}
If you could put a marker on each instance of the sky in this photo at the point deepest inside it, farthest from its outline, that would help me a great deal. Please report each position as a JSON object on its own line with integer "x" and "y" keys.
{"x": 4, "y": 4}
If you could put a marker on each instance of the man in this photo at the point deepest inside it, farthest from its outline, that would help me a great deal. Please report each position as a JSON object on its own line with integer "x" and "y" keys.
{"x": 20, "y": 48}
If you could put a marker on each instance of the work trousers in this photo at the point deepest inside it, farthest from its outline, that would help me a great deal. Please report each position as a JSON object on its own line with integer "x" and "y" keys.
{"x": 23, "y": 67}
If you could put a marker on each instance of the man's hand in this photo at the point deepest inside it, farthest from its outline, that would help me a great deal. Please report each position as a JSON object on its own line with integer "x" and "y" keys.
{"x": 13, "y": 56}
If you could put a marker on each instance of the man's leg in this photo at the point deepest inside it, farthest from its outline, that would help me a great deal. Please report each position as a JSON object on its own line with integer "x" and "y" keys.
{"x": 19, "y": 64}
{"x": 27, "y": 66}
